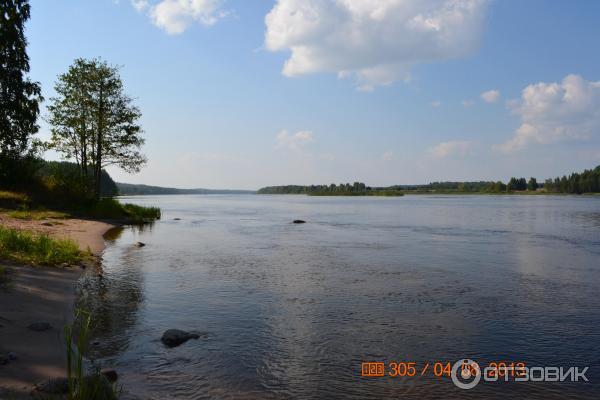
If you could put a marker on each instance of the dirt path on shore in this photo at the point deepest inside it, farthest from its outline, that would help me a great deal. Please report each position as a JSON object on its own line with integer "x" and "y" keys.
{"x": 35, "y": 294}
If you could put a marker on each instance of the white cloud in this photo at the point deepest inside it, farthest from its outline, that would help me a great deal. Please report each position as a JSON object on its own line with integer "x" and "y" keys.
{"x": 467, "y": 103}
{"x": 374, "y": 41}
{"x": 451, "y": 148}
{"x": 175, "y": 16}
{"x": 388, "y": 156}
{"x": 490, "y": 96}
{"x": 436, "y": 103}
{"x": 294, "y": 141}
{"x": 139, "y": 5}
{"x": 553, "y": 112}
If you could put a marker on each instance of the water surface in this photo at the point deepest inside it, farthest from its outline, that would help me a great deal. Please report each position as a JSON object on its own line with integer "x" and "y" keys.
{"x": 291, "y": 311}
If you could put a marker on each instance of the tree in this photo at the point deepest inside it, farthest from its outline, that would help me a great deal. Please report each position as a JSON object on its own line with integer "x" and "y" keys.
{"x": 532, "y": 184}
{"x": 94, "y": 122}
{"x": 19, "y": 96}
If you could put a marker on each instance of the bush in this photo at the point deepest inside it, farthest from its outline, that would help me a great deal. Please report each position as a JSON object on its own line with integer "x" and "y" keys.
{"x": 27, "y": 247}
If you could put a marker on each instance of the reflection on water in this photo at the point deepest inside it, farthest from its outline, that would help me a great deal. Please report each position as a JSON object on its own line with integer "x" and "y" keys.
{"x": 291, "y": 311}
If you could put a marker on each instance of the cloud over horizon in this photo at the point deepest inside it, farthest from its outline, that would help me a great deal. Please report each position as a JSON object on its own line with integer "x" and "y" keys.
{"x": 554, "y": 112}
{"x": 295, "y": 141}
{"x": 451, "y": 148}
{"x": 374, "y": 42}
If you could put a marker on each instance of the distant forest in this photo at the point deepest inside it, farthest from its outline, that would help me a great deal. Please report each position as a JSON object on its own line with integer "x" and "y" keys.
{"x": 343, "y": 189}
{"x": 587, "y": 181}
{"x": 128, "y": 189}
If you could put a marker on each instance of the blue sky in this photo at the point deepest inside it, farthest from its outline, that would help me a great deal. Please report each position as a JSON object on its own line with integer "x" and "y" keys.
{"x": 381, "y": 91}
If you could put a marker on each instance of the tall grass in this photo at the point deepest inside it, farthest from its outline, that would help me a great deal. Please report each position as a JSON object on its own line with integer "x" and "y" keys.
{"x": 28, "y": 247}
{"x": 112, "y": 209}
{"x": 83, "y": 386}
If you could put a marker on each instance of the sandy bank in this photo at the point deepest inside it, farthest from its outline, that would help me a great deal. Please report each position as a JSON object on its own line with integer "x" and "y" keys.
{"x": 40, "y": 294}
{"x": 88, "y": 234}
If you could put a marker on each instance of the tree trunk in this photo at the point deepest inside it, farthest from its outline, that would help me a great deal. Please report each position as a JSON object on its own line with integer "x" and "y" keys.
{"x": 99, "y": 141}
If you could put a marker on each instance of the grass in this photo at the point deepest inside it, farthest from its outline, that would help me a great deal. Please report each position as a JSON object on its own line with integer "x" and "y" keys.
{"x": 30, "y": 248}
{"x": 83, "y": 386}
{"x": 37, "y": 215}
{"x": 11, "y": 199}
{"x": 112, "y": 209}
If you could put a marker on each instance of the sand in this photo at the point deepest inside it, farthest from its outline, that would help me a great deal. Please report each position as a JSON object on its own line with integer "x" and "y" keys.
{"x": 40, "y": 294}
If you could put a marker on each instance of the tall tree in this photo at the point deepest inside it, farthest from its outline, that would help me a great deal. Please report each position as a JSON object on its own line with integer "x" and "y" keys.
{"x": 19, "y": 96}
{"x": 532, "y": 184}
{"x": 94, "y": 122}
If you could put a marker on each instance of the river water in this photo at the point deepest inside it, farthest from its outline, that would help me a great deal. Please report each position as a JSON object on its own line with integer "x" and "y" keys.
{"x": 292, "y": 311}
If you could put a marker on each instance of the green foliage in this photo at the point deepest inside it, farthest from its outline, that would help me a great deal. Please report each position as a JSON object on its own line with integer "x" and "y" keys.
{"x": 112, "y": 209}
{"x": 586, "y": 182}
{"x": 83, "y": 386}
{"x": 10, "y": 199}
{"x": 19, "y": 97}
{"x": 532, "y": 184}
{"x": 516, "y": 184}
{"x": 37, "y": 215}
{"x": 94, "y": 122}
{"x": 27, "y": 247}
{"x": 343, "y": 189}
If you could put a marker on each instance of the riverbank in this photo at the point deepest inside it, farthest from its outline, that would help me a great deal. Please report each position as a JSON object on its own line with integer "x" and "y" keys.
{"x": 40, "y": 294}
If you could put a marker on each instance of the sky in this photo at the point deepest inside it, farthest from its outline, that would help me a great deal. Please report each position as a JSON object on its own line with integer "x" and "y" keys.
{"x": 242, "y": 94}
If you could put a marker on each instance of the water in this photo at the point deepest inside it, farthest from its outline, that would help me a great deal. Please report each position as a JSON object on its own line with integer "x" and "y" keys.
{"x": 291, "y": 311}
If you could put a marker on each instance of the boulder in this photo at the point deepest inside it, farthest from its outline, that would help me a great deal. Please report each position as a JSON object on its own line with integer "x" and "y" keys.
{"x": 140, "y": 244}
{"x": 40, "y": 326}
{"x": 175, "y": 337}
{"x": 176, "y": 219}
{"x": 299, "y": 221}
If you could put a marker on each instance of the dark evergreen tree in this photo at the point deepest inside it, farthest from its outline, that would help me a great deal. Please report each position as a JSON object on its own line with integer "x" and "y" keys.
{"x": 19, "y": 96}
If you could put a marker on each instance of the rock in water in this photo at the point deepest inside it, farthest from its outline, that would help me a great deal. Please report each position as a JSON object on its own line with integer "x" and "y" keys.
{"x": 110, "y": 374}
{"x": 40, "y": 326}
{"x": 175, "y": 337}
{"x": 176, "y": 219}
{"x": 299, "y": 221}
{"x": 140, "y": 244}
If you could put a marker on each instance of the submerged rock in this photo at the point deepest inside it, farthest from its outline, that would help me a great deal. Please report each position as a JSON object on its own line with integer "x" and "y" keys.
{"x": 40, "y": 326}
{"x": 140, "y": 244}
{"x": 176, "y": 219}
{"x": 299, "y": 221}
{"x": 110, "y": 374}
{"x": 175, "y": 337}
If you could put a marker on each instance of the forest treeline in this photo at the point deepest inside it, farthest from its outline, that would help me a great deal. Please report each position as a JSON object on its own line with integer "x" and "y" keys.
{"x": 343, "y": 189}
{"x": 587, "y": 181}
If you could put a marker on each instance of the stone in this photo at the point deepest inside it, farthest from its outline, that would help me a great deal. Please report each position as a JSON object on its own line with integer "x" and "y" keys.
{"x": 176, "y": 219}
{"x": 47, "y": 224}
{"x": 175, "y": 337}
{"x": 140, "y": 244}
{"x": 40, "y": 326}
{"x": 110, "y": 374}
{"x": 299, "y": 221}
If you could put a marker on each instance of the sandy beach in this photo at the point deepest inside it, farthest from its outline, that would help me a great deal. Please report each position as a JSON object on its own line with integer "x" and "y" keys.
{"x": 35, "y": 294}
